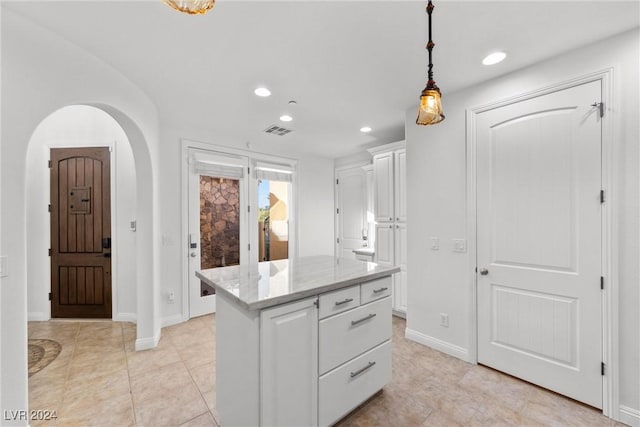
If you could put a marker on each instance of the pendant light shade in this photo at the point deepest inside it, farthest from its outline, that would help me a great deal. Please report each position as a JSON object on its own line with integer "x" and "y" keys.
{"x": 192, "y": 7}
{"x": 430, "y": 110}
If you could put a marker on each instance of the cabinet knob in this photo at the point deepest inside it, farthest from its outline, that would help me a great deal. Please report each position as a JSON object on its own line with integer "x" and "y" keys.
{"x": 390, "y": 226}
{"x": 390, "y": 219}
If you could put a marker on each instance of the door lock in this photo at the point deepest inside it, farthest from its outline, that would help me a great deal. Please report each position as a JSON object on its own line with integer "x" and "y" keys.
{"x": 193, "y": 255}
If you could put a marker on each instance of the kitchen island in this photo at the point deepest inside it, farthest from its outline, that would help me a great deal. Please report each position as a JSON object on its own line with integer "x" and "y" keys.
{"x": 301, "y": 341}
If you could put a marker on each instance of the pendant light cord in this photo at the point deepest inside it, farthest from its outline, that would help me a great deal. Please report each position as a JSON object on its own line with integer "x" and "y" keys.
{"x": 430, "y": 44}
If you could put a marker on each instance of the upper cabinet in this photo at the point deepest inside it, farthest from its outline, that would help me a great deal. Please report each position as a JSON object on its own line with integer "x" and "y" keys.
{"x": 390, "y": 182}
{"x": 400, "y": 184}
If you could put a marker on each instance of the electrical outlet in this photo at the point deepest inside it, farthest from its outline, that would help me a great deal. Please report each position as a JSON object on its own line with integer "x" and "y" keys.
{"x": 171, "y": 297}
{"x": 459, "y": 245}
{"x": 444, "y": 320}
{"x": 435, "y": 243}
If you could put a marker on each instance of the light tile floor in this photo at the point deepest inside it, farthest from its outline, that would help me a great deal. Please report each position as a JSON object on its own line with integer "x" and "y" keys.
{"x": 99, "y": 380}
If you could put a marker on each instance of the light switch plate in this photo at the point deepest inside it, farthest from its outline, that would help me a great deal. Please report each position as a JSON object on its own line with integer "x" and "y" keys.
{"x": 435, "y": 243}
{"x": 459, "y": 245}
{"x": 4, "y": 266}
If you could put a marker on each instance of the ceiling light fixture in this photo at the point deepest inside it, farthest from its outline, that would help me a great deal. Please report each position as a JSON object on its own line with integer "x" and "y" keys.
{"x": 494, "y": 58}
{"x": 365, "y": 129}
{"x": 430, "y": 110}
{"x": 285, "y": 118}
{"x": 262, "y": 91}
{"x": 192, "y": 7}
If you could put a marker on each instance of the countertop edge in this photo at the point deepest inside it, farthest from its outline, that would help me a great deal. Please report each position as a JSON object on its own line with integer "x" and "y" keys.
{"x": 272, "y": 302}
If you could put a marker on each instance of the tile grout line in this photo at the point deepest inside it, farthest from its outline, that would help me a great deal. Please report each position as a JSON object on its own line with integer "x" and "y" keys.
{"x": 126, "y": 361}
{"x": 66, "y": 377}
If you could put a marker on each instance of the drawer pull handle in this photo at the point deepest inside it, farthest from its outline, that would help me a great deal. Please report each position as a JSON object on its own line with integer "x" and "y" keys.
{"x": 355, "y": 322}
{"x": 377, "y": 291}
{"x": 344, "y": 301}
{"x": 359, "y": 371}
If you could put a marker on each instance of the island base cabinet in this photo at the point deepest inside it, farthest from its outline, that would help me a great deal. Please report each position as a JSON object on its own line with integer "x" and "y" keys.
{"x": 289, "y": 364}
{"x": 347, "y": 386}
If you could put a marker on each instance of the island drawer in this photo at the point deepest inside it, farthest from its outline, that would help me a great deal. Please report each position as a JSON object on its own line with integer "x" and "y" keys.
{"x": 347, "y": 386}
{"x": 349, "y": 334}
{"x": 338, "y": 301}
{"x": 375, "y": 289}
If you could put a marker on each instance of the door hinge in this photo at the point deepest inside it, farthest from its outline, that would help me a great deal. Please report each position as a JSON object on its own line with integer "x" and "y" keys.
{"x": 601, "y": 282}
{"x": 49, "y": 164}
{"x": 50, "y": 297}
{"x": 49, "y": 208}
{"x": 338, "y": 240}
{"x": 338, "y": 210}
{"x": 337, "y": 181}
{"x": 600, "y": 106}
{"x": 317, "y": 303}
{"x": 602, "y": 368}
{"x": 249, "y": 171}
{"x": 601, "y": 196}
{"x": 249, "y": 246}
{"x": 50, "y": 251}
{"x": 248, "y": 208}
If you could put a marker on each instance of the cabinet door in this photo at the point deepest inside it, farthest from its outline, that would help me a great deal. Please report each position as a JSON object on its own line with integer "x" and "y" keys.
{"x": 400, "y": 183}
{"x": 400, "y": 279}
{"x": 289, "y": 365}
{"x": 384, "y": 244}
{"x": 383, "y": 186}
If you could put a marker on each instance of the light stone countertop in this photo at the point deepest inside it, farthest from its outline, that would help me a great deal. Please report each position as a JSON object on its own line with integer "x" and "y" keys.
{"x": 365, "y": 251}
{"x": 272, "y": 283}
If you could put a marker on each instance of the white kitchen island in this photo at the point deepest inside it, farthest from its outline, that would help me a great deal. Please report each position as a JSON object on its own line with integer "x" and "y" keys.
{"x": 300, "y": 342}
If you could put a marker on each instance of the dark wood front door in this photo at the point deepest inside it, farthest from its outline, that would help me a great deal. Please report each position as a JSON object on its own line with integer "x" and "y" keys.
{"x": 80, "y": 233}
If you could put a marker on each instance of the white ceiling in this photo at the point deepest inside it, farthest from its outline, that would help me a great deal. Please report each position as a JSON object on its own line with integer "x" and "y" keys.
{"x": 347, "y": 64}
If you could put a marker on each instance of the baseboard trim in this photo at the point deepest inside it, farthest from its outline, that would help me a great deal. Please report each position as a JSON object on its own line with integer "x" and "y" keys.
{"x": 629, "y": 416}
{"x": 147, "y": 343}
{"x": 37, "y": 316}
{"x": 397, "y": 313}
{"x": 443, "y": 346}
{"x": 171, "y": 320}
{"x": 125, "y": 317}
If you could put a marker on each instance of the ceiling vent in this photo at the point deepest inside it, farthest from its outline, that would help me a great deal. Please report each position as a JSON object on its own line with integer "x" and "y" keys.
{"x": 277, "y": 130}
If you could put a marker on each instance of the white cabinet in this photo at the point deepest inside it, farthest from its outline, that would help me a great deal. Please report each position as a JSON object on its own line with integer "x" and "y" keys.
{"x": 390, "y": 196}
{"x": 289, "y": 364}
{"x": 306, "y": 362}
{"x": 383, "y": 187}
{"x": 384, "y": 244}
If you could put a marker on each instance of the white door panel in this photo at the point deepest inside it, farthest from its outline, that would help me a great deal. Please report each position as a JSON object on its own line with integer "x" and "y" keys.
{"x": 400, "y": 183}
{"x": 384, "y": 187}
{"x": 539, "y": 238}
{"x": 351, "y": 192}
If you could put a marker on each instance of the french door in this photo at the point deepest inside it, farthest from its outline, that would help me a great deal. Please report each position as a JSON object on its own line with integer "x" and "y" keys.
{"x": 218, "y": 220}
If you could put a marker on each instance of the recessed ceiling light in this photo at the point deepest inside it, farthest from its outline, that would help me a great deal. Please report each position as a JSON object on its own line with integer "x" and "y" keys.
{"x": 494, "y": 58}
{"x": 262, "y": 91}
{"x": 365, "y": 129}
{"x": 286, "y": 118}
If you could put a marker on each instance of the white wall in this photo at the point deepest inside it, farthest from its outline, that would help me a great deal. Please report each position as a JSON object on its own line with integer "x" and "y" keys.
{"x": 81, "y": 126}
{"x": 40, "y": 74}
{"x": 440, "y": 281}
{"x": 314, "y": 204}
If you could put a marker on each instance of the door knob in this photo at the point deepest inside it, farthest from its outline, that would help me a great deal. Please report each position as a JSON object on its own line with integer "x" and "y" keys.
{"x": 193, "y": 254}
{"x": 484, "y": 271}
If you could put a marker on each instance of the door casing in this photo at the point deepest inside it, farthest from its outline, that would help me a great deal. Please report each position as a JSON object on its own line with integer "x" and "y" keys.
{"x": 610, "y": 335}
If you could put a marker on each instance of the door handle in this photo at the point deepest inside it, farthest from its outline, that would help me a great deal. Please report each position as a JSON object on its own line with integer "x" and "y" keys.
{"x": 193, "y": 254}
{"x": 484, "y": 271}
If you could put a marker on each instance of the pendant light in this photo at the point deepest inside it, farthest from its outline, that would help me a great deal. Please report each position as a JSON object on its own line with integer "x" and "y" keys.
{"x": 430, "y": 110}
{"x": 192, "y": 7}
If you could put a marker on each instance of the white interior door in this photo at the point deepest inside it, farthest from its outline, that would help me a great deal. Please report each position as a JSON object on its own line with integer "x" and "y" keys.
{"x": 218, "y": 222}
{"x": 351, "y": 217}
{"x": 539, "y": 241}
